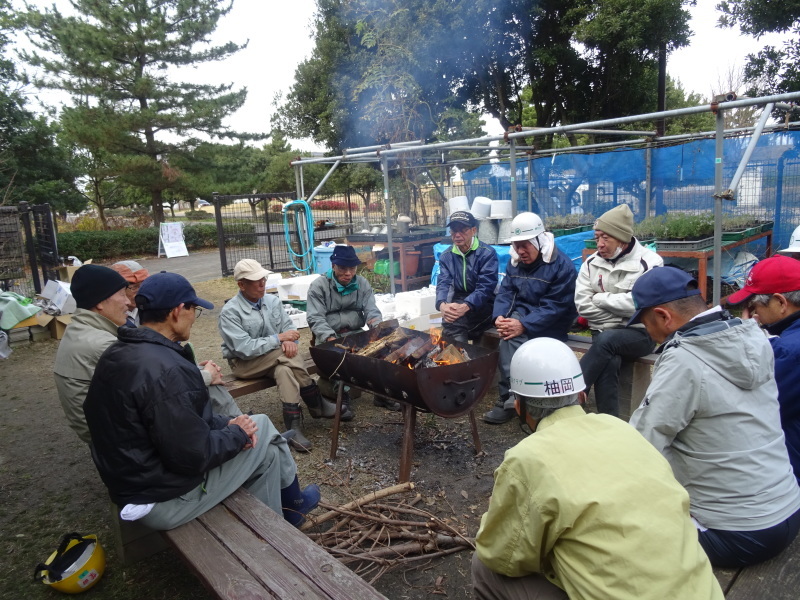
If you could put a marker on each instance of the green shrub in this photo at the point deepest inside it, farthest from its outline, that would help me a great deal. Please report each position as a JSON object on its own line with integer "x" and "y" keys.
{"x": 99, "y": 245}
{"x": 198, "y": 215}
{"x": 200, "y": 236}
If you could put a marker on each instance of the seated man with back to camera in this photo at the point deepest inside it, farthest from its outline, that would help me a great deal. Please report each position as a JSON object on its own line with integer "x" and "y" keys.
{"x": 583, "y": 507}
{"x": 467, "y": 281}
{"x": 603, "y": 298}
{"x": 161, "y": 451}
{"x": 534, "y": 300}
{"x": 712, "y": 410}
{"x": 342, "y": 302}
{"x": 771, "y": 295}
{"x": 259, "y": 339}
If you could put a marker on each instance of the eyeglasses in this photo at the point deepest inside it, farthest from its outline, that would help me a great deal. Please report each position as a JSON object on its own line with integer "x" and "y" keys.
{"x": 198, "y": 310}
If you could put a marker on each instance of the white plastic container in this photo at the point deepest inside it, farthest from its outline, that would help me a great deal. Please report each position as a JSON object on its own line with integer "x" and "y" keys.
{"x": 416, "y": 303}
{"x": 504, "y": 231}
{"x": 295, "y": 288}
{"x": 458, "y": 203}
{"x": 487, "y": 231}
{"x": 501, "y": 209}
{"x": 481, "y": 207}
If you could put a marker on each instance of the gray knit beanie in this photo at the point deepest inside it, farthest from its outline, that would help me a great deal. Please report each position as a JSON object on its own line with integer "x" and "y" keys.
{"x": 617, "y": 222}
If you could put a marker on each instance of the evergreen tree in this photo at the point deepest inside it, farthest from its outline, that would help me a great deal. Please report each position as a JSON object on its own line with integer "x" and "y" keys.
{"x": 114, "y": 58}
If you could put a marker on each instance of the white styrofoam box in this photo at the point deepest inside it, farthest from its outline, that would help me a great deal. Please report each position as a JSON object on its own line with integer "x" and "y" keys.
{"x": 272, "y": 282}
{"x": 295, "y": 288}
{"x": 387, "y": 305}
{"x": 424, "y": 322}
{"x": 416, "y": 303}
{"x": 299, "y": 319}
{"x": 58, "y": 293}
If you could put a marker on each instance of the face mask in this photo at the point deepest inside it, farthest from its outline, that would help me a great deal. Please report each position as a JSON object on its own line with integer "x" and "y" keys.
{"x": 617, "y": 252}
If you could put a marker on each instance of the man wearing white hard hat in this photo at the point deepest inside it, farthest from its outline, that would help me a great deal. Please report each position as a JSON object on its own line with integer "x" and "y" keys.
{"x": 534, "y": 300}
{"x": 604, "y": 302}
{"x": 259, "y": 339}
{"x": 583, "y": 506}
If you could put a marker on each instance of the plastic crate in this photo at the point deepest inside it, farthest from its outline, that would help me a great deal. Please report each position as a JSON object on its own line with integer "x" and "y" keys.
{"x": 767, "y": 226}
{"x": 570, "y": 230}
{"x": 685, "y": 245}
{"x": 735, "y": 236}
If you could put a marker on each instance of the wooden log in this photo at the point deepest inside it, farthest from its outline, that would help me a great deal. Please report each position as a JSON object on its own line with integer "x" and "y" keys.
{"x": 422, "y": 350}
{"x": 371, "y": 349}
{"x": 405, "y": 351}
{"x": 450, "y": 356}
{"x": 371, "y": 497}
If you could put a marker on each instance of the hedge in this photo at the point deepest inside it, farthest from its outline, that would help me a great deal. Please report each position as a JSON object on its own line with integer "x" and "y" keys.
{"x": 115, "y": 243}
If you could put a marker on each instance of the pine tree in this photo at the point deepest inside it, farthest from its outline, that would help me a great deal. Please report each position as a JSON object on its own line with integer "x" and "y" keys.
{"x": 118, "y": 59}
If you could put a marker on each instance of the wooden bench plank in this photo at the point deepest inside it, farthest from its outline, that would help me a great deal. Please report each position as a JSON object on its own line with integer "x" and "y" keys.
{"x": 241, "y": 387}
{"x": 726, "y": 577}
{"x": 220, "y": 573}
{"x": 776, "y": 579}
{"x": 318, "y": 566}
{"x": 275, "y": 572}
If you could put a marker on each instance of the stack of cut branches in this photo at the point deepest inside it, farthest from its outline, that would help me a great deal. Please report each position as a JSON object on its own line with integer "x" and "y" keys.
{"x": 377, "y": 537}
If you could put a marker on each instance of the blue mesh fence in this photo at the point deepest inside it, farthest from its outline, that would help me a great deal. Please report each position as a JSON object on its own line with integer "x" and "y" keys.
{"x": 682, "y": 179}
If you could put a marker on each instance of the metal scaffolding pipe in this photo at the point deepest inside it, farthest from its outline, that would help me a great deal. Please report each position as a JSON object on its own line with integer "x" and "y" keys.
{"x": 512, "y": 158}
{"x": 729, "y": 194}
{"x": 720, "y": 142}
{"x": 613, "y": 132}
{"x": 324, "y": 179}
{"x": 390, "y": 244}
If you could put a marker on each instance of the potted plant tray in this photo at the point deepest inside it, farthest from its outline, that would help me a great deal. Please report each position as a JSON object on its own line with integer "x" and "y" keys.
{"x": 570, "y": 230}
{"x": 592, "y": 243}
{"x": 685, "y": 245}
{"x": 735, "y": 236}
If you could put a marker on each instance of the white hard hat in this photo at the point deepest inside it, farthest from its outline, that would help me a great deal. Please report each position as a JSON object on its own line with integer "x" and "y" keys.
{"x": 525, "y": 226}
{"x": 794, "y": 243}
{"x": 545, "y": 369}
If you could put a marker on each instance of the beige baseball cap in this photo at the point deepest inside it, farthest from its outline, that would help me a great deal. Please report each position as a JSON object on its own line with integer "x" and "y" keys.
{"x": 248, "y": 268}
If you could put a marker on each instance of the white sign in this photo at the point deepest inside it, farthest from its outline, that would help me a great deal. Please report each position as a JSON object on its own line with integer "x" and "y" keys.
{"x": 170, "y": 240}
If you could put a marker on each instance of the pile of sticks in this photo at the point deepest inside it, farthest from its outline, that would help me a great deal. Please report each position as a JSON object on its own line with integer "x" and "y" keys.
{"x": 376, "y": 537}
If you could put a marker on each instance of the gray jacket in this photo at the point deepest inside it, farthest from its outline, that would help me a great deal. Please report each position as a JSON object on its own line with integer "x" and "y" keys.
{"x": 330, "y": 313}
{"x": 712, "y": 411}
{"x": 247, "y": 332}
{"x": 85, "y": 339}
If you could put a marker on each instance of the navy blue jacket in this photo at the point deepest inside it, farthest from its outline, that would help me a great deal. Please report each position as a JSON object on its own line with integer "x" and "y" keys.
{"x": 154, "y": 435}
{"x": 787, "y": 376}
{"x": 543, "y": 294}
{"x": 470, "y": 279}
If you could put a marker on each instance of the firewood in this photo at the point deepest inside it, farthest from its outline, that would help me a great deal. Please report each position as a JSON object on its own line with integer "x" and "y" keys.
{"x": 450, "y": 355}
{"x": 374, "y": 348}
{"x": 371, "y": 497}
{"x": 405, "y": 351}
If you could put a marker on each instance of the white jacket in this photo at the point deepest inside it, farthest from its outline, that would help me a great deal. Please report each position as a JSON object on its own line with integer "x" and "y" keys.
{"x": 712, "y": 411}
{"x": 603, "y": 290}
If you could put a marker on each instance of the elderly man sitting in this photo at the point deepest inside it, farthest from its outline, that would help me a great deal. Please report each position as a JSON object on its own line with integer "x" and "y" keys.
{"x": 712, "y": 410}
{"x": 535, "y": 300}
{"x": 583, "y": 507}
{"x": 342, "y": 302}
{"x": 467, "y": 281}
{"x": 772, "y": 296}
{"x": 259, "y": 339}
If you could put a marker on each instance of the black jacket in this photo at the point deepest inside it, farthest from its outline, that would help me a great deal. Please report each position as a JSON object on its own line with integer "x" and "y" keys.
{"x": 153, "y": 433}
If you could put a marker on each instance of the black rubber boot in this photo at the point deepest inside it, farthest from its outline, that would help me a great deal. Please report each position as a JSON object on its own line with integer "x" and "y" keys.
{"x": 382, "y": 402}
{"x": 317, "y": 405}
{"x": 297, "y": 504}
{"x": 499, "y": 414}
{"x": 347, "y": 410}
{"x": 293, "y": 420}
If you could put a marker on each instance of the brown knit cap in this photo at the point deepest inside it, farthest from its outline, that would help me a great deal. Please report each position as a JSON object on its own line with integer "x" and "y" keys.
{"x": 617, "y": 222}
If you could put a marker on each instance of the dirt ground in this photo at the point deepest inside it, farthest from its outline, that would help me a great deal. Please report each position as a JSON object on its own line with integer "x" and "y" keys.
{"x": 49, "y": 486}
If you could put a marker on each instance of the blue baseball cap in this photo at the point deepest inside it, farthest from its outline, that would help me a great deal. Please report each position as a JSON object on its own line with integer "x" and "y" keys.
{"x": 166, "y": 291}
{"x": 659, "y": 286}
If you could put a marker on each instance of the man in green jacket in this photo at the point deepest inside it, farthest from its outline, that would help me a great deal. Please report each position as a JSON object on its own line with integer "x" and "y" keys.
{"x": 342, "y": 302}
{"x": 584, "y": 508}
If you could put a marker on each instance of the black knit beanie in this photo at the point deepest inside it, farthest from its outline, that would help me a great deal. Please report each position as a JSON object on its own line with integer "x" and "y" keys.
{"x": 91, "y": 284}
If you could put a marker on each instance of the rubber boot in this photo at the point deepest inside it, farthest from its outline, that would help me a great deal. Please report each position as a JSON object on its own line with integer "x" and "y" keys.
{"x": 347, "y": 411}
{"x": 297, "y": 504}
{"x": 317, "y": 405}
{"x": 499, "y": 413}
{"x": 382, "y": 402}
{"x": 293, "y": 420}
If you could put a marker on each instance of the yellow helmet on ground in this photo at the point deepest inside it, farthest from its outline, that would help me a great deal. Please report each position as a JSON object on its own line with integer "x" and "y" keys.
{"x": 75, "y": 566}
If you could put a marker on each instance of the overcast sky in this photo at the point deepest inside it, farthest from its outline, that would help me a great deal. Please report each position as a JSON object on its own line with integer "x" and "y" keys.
{"x": 279, "y": 39}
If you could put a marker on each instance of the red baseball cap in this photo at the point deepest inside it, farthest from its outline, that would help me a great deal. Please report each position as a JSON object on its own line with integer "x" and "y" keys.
{"x": 775, "y": 275}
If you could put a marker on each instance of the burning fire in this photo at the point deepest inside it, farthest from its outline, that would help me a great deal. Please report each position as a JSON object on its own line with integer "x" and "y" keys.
{"x": 413, "y": 352}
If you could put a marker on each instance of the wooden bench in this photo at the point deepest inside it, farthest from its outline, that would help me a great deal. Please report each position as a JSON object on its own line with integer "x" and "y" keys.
{"x": 242, "y": 387}
{"x": 776, "y": 579}
{"x": 634, "y": 377}
{"x": 241, "y": 549}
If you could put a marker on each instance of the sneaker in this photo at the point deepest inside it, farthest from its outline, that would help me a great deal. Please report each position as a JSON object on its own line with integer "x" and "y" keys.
{"x": 498, "y": 416}
{"x": 382, "y": 402}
